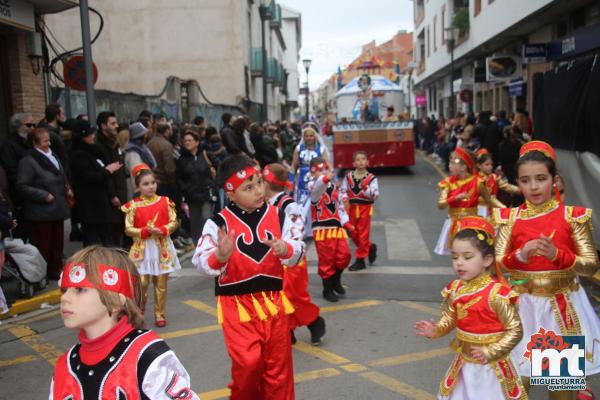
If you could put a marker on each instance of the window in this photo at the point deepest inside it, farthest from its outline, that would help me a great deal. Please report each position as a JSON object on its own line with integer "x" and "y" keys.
{"x": 443, "y": 22}
{"x": 477, "y": 9}
{"x": 434, "y": 33}
{"x": 427, "y": 35}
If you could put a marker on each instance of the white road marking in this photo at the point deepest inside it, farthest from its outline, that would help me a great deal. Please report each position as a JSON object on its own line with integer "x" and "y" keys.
{"x": 404, "y": 241}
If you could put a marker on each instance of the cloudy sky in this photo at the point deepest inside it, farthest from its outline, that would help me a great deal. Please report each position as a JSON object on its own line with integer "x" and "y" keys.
{"x": 334, "y": 31}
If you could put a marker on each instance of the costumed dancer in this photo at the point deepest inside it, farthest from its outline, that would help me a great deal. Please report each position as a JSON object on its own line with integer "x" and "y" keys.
{"x": 330, "y": 222}
{"x": 460, "y": 193}
{"x": 359, "y": 190}
{"x": 545, "y": 245}
{"x": 310, "y": 146}
{"x": 244, "y": 247}
{"x": 485, "y": 166}
{"x": 295, "y": 280}
{"x": 484, "y": 313}
{"x": 150, "y": 220}
{"x": 115, "y": 357}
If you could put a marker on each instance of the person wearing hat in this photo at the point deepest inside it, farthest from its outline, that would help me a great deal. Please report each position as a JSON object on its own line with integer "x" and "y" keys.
{"x": 136, "y": 152}
{"x": 90, "y": 176}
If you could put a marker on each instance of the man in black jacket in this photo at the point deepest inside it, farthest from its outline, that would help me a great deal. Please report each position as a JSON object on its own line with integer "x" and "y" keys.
{"x": 11, "y": 152}
{"x": 106, "y": 139}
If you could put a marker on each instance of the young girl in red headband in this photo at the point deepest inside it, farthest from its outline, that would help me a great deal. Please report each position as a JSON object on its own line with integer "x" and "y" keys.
{"x": 150, "y": 220}
{"x": 295, "y": 280}
{"x": 245, "y": 247}
{"x": 545, "y": 246}
{"x": 460, "y": 193}
{"x": 115, "y": 357}
{"x": 484, "y": 314}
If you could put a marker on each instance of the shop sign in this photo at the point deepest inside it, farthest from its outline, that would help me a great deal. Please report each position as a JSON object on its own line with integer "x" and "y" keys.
{"x": 17, "y": 13}
{"x": 420, "y": 100}
{"x": 535, "y": 53}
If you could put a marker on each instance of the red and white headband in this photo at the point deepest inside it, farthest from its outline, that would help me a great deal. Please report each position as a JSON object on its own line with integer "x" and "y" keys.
{"x": 270, "y": 177}
{"x": 235, "y": 180}
{"x": 318, "y": 167}
{"x": 111, "y": 278}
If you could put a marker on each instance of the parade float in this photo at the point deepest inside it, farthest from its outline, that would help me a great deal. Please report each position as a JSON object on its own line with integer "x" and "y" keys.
{"x": 361, "y": 111}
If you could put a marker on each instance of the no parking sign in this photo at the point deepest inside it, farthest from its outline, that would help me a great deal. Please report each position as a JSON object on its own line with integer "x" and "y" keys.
{"x": 74, "y": 73}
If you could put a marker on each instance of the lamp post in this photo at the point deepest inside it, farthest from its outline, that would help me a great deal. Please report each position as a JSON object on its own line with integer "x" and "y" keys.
{"x": 265, "y": 15}
{"x": 452, "y": 32}
{"x": 306, "y": 63}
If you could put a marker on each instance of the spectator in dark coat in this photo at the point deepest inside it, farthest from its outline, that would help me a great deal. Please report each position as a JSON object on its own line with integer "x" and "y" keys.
{"x": 41, "y": 180}
{"x": 265, "y": 149}
{"x": 91, "y": 177}
{"x": 106, "y": 139}
{"x": 232, "y": 139}
{"x": 509, "y": 151}
{"x": 11, "y": 152}
{"x": 195, "y": 179}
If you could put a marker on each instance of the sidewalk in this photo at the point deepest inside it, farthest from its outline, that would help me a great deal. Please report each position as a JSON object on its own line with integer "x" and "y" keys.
{"x": 46, "y": 298}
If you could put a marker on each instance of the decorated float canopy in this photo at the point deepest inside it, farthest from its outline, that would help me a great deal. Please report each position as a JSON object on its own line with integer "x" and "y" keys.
{"x": 384, "y": 91}
{"x": 378, "y": 84}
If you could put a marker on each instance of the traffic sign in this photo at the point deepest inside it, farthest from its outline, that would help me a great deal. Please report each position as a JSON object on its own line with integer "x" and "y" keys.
{"x": 74, "y": 72}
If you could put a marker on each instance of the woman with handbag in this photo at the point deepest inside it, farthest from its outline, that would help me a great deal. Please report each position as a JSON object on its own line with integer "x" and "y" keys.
{"x": 195, "y": 178}
{"x": 42, "y": 183}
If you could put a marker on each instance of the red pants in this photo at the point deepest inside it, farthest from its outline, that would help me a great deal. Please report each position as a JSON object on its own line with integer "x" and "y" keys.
{"x": 295, "y": 285}
{"x": 260, "y": 351}
{"x": 49, "y": 239}
{"x": 360, "y": 217}
{"x": 333, "y": 252}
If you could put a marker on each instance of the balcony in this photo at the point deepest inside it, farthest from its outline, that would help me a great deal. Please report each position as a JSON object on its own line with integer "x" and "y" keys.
{"x": 256, "y": 61}
{"x": 460, "y": 20}
{"x": 276, "y": 12}
{"x": 272, "y": 67}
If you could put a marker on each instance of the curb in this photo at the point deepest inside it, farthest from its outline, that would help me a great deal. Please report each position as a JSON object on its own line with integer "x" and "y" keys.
{"x": 27, "y": 305}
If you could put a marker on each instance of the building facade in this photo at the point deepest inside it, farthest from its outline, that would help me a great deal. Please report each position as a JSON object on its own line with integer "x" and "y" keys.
{"x": 215, "y": 44}
{"x": 488, "y": 71}
{"x": 389, "y": 59}
{"x": 22, "y": 80}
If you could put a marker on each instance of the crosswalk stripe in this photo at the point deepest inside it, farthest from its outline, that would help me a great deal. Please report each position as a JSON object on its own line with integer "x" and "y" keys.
{"x": 405, "y": 242}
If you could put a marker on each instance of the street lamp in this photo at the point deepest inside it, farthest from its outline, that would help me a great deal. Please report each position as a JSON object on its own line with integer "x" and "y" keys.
{"x": 452, "y": 33}
{"x": 306, "y": 62}
{"x": 265, "y": 14}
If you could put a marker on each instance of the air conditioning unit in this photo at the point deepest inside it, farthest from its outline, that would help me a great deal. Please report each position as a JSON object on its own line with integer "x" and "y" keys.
{"x": 503, "y": 68}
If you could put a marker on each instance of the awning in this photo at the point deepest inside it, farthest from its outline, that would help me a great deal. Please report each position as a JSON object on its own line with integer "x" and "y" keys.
{"x": 53, "y": 6}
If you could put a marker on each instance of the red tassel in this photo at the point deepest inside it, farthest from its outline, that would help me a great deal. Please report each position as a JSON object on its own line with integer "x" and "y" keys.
{"x": 557, "y": 194}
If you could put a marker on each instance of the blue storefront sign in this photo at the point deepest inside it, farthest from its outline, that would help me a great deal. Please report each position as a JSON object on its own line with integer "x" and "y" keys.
{"x": 578, "y": 42}
{"x": 535, "y": 53}
{"x": 515, "y": 87}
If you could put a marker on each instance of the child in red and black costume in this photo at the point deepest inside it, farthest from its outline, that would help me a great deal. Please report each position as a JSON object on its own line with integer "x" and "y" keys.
{"x": 115, "y": 358}
{"x": 245, "y": 247}
{"x": 329, "y": 224}
{"x": 295, "y": 280}
{"x": 359, "y": 191}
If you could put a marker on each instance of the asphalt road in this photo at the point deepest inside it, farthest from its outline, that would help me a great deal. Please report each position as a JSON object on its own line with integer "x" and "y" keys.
{"x": 370, "y": 350}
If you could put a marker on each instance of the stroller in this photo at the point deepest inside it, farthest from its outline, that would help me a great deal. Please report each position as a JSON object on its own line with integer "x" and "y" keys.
{"x": 25, "y": 264}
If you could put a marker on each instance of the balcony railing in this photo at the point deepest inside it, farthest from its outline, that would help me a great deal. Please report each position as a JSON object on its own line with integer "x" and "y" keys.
{"x": 256, "y": 62}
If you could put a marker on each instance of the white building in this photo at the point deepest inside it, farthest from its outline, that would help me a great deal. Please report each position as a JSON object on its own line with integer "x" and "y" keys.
{"x": 214, "y": 43}
{"x": 485, "y": 29}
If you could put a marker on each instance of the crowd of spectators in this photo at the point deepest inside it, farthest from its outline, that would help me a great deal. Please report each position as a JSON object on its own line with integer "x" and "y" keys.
{"x": 61, "y": 169}
{"x": 501, "y": 134}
